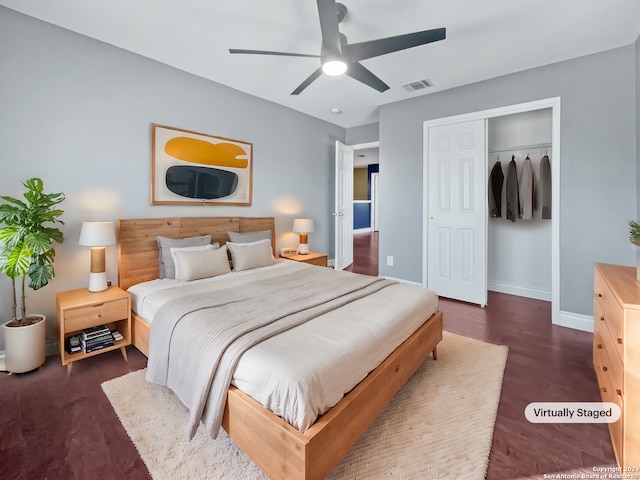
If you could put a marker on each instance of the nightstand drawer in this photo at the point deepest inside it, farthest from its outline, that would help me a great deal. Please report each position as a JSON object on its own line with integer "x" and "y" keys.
{"x": 85, "y": 317}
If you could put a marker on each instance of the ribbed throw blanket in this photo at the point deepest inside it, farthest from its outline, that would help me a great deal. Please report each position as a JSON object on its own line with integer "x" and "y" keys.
{"x": 196, "y": 341}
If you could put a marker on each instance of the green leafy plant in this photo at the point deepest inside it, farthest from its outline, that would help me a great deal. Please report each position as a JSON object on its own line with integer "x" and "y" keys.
{"x": 634, "y": 232}
{"x": 26, "y": 242}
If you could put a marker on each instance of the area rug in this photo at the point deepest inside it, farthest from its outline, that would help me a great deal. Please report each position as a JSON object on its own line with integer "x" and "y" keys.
{"x": 439, "y": 425}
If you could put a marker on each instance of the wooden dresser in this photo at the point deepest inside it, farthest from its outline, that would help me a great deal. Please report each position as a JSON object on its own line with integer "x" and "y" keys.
{"x": 616, "y": 355}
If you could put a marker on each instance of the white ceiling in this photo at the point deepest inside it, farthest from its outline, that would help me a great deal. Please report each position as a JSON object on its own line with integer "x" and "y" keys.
{"x": 485, "y": 39}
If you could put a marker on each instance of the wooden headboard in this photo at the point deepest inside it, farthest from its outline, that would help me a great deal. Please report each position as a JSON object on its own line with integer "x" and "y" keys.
{"x": 138, "y": 248}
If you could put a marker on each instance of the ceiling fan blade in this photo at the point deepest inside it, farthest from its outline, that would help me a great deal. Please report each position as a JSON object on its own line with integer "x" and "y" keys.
{"x": 328, "y": 13}
{"x": 307, "y": 82}
{"x": 267, "y": 52}
{"x": 365, "y": 76}
{"x": 374, "y": 48}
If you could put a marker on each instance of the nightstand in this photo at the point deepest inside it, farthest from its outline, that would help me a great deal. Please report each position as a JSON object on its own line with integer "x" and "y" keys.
{"x": 312, "y": 258}
{"x": 80, "y": 309}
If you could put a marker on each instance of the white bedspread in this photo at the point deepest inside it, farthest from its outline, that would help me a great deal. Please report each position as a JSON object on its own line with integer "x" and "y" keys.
{"x": 301, "y": 373}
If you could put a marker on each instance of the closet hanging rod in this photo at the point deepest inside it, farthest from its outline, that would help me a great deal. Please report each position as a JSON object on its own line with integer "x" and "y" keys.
{"x": 521, "y": 147}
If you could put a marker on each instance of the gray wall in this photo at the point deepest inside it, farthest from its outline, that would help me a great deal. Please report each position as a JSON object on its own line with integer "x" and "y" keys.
{"x": 77, "y": 113}
{"x": 362, "y": 134}
{"x": 598, "y": 163}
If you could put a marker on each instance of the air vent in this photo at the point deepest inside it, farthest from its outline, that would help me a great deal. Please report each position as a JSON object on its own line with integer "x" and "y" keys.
{"x": 418, "y": 85}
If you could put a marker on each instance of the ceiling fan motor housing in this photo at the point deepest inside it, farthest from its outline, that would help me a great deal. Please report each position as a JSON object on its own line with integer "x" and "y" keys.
{"x": 342, "y": 12}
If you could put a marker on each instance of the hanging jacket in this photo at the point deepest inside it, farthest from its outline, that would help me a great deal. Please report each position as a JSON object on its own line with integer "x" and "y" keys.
{"x": 526, "y": 190}
{"x": 496, "y": 179}
{"x": 513, "y": 200}
{"x": 545, "y": 187}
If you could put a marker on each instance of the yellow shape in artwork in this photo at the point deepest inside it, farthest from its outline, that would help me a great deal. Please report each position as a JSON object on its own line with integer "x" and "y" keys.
{"x": 207, "y": 153}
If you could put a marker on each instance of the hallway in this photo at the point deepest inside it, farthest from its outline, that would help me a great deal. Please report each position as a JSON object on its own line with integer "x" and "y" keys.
{"x": 365, "y": 253}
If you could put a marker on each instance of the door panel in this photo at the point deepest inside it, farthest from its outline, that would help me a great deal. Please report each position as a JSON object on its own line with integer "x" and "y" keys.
{"x": 456, "y": 243}
{"x": 343, "y": 212}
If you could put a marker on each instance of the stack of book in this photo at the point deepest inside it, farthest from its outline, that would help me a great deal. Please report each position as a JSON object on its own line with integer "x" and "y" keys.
{"x": 96, "y": 338}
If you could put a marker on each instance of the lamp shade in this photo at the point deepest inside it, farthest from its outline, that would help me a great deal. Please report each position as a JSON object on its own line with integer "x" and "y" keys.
{"x": 97, "y": 234}
{"x": 303, "y": 225}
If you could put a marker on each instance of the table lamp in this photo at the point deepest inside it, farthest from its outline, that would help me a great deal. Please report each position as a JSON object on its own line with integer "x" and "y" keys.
{"x": 97, "y": 235}
{"x": 303, "y": 226}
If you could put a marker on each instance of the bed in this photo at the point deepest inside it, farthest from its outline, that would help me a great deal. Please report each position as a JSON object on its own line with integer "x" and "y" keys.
{"x": 277, "y": 447}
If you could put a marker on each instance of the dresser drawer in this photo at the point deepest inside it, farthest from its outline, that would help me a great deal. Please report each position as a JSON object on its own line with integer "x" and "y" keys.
{"x": 605, "y": 360}
{"x": 608, "y": 311}
{"x": 609, "y": 393}
{"x": 84, "y": 317}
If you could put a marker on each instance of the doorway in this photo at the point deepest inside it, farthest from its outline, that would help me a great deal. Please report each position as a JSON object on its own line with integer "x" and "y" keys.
{"x": 366, "y": 205}
{"x": 428, "y": 233}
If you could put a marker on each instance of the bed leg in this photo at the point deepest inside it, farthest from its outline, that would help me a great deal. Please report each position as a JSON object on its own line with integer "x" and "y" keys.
{"x": 435, "y": 352}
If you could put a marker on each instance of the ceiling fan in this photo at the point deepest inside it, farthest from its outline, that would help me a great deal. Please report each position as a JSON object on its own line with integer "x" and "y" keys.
{"x": 338, "y": 57}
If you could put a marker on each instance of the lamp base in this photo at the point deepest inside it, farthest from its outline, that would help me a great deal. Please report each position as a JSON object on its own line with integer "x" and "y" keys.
{"x": 303, "y": 246}
{"x": 97, "y": 282}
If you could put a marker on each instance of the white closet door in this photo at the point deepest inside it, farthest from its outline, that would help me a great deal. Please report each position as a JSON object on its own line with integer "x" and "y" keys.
{"x": 457, "y": 229}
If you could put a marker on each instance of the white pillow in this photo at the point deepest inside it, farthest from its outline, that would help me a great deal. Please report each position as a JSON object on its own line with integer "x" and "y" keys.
{"x": 194, "y": 264}
{"x": 165, "y": 262}
{"x": 251, "y": 255}
{"x": 174, "y": 250}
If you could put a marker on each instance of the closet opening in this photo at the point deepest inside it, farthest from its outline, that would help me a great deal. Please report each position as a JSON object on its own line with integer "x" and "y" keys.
{"x": 519, "y": 233}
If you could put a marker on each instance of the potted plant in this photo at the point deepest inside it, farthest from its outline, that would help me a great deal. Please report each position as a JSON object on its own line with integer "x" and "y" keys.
{"x": 634, "y": 237}
{"x": 26, "y": 250}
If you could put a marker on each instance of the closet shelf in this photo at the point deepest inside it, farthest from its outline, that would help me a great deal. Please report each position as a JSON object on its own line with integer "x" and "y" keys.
{"x": 521, "y": 147}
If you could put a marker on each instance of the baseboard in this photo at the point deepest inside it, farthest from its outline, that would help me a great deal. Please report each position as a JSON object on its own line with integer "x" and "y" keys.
{"x": 576, "y": 321}
{"x": 520, "y": 291}
{"x": 400, "y": 280}
{"x": 362, "y": 230}
{"x": 52, "y": 349}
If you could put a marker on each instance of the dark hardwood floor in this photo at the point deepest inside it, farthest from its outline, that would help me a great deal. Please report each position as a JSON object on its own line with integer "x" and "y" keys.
{"x": 54, "y": 428}
{"x": 365, "y": 254}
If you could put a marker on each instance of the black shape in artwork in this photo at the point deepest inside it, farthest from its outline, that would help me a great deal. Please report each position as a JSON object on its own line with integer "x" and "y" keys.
{"x": 201, "y": 182}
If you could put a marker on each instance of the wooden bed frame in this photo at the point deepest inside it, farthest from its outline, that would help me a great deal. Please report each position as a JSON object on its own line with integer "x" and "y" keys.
{"x": 280, "y": 450}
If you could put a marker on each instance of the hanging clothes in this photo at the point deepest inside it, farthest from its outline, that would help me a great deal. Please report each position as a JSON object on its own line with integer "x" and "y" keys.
{"x": 526, "y": 190}
{"x": 496, "y": 179}
{"x": 513, "y": 200}
{"x": 545, "y": 187}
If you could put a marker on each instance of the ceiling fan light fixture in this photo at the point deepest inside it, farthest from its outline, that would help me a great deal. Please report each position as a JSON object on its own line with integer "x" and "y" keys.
{"x": 334, "y": 67}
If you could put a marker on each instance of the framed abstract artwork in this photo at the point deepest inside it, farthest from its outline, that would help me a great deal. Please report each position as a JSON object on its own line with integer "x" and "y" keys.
{"x": 199, "y": 169}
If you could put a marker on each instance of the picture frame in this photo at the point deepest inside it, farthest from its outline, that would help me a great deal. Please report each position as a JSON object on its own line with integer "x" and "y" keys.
{"x": 193, "y": 168}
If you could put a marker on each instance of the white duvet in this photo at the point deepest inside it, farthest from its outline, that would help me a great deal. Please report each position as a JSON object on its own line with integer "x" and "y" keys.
{"x": 302, "y": 373}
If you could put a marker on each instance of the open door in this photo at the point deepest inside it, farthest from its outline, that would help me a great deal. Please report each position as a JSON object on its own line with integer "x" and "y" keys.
{"x": 343, "y": 213}
{"x": 457, "y": 226}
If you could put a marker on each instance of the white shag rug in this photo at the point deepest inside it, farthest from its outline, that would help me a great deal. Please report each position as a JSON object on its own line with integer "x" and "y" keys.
{"x": 439, "y": 425}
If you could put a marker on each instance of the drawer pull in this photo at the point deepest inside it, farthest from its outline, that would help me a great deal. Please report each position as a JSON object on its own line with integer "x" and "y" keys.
{"x": 99, "y": 315}
{"x": 620, "y": 341}
{"x": 602, "y": 318}
{"x": 604, "y": 369}
{"x": 604, "y": 389}
{"x": 600, "y": 295}
{"x": 618, "y": 392}
{"x": 599, "y": 346}
{"x": 97, "y": 305}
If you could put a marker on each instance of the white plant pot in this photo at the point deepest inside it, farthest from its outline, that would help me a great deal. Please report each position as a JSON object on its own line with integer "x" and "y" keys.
{"x": 25, "y": 347}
